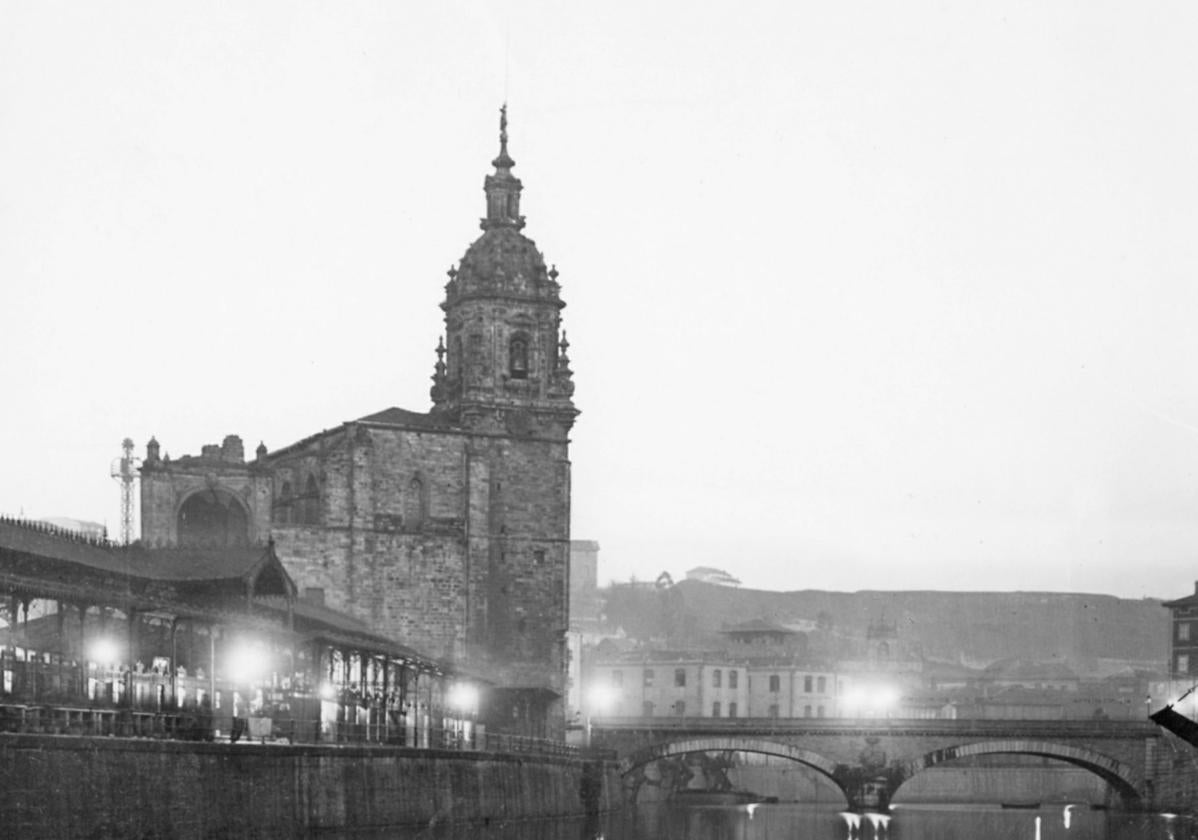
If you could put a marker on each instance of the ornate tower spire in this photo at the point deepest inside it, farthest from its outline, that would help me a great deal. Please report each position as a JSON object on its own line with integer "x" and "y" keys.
{"x": 504, "y": 161}
{"x": 502, "y": 364}
{"x": 503, "y": 188}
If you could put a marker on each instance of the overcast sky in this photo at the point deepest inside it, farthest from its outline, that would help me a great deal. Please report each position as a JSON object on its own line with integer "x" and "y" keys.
{"x": 860, "y": 295}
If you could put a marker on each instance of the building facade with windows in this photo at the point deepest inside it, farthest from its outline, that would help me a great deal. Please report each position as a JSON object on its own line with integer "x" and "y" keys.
{"x": 1183, "y": 636}
{"x": 670, "y": 684}
{"x": 713, "y": 684}
{"x": 783, "y": 689}
{"x": 447, "y": 529}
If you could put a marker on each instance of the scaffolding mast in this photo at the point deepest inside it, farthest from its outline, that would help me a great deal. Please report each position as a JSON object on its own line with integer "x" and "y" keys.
{"x": 124, "y": 470}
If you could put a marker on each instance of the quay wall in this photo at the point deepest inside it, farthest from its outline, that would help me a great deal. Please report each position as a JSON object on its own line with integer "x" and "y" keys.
{"x": 1173, "y": 769}
{"x": 96, "y": 788}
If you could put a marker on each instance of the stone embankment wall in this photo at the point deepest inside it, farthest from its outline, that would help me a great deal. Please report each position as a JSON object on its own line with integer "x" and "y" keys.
{"x": 1174, "y": 772}
{"x": 1007, "y": 784}
{"x": 69, "y": 787}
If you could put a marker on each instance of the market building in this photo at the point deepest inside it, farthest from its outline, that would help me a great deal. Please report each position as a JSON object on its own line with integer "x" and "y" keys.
{"x": 203, "y": 643}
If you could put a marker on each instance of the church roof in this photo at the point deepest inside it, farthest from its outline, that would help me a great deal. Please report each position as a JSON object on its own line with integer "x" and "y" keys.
{"x": 387, "y": 417}
{"x": 758, "y": 625}
{"x": 1187, "y": 601}
{"x": 403, "y": 417}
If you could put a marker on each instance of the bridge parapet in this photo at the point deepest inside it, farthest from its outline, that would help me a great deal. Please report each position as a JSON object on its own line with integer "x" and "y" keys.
{"x": 1090, "y": 728}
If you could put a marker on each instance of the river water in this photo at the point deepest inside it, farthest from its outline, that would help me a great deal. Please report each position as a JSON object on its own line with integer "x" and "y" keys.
{"x": 800, "y": 822}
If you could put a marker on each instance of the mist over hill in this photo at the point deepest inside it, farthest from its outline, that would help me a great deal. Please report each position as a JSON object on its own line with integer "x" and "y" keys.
{"x": 1091, "y": 633}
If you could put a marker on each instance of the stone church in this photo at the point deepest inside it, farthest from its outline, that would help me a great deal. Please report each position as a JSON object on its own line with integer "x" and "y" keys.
{"x": 447, "y": 529}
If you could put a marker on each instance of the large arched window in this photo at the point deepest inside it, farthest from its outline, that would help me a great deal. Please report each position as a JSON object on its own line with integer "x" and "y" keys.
{"x": 414, "y": 504}
{"x": 310, "y": 506}
{"x": 283, "y": 509}
{"x": 518, "y": 357}
{"x": 213, "y": 519}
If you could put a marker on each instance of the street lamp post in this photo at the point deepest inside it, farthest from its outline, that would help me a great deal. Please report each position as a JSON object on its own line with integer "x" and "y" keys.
{"x": 463, "y": 698}
{"x": 599, "y": 700}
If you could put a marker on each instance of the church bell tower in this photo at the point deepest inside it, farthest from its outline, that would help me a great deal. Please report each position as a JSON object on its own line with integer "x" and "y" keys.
{"x": 502, "y": 365}
{"x": 503, "y": 378}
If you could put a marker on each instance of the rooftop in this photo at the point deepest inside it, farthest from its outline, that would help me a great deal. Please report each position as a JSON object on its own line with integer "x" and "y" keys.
{"x": 757, "y": 625}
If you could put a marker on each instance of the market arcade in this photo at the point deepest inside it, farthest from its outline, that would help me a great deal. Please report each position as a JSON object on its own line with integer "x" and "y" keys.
{"x": 207, "y": 644}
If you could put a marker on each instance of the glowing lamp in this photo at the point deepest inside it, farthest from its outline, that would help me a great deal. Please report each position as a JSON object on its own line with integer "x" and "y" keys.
{"x": 246, "y": 662}
{"x": 328, "y": 691}
{"x": 463, "y": 697}
{"x": 104, "y": 651}
{"x": 601, "y": 697}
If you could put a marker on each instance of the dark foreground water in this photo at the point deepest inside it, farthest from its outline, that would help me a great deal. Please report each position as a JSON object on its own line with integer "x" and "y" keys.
{"x": 798, "y": 822}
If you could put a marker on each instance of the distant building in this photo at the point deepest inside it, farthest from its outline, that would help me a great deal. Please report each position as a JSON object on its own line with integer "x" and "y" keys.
{"x": 585, "y": 603}
{"x": 665, "y": 683}
{"x": 781, "y": 689}
{"x": 1177, "y": 690}
{"x": 882, "y": 639}
{"x": 703, "y": 683}
{"x": 759, "y": 633}
{"x": 1183, "y": 638}
{"x": 674, "y": 684}
{"x": 1022, "y": 673}
{"x": 707, "y": 574}
{"x": 585, "y": 622}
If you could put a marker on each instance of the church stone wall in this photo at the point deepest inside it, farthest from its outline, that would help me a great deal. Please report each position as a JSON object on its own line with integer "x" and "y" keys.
{"x": 528, "y": 569}
{"x": 452, "y": 543}
{"x": 389, "y": 548}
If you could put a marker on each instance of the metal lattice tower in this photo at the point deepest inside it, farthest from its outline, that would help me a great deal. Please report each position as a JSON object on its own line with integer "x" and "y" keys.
{"x": 124, "y": 470}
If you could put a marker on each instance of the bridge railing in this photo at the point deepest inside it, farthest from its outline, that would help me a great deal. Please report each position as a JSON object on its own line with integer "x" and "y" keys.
{"x": 980, "y": 726}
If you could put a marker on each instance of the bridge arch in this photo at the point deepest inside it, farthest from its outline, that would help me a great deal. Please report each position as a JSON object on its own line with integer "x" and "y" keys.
{"x": 645, "y": 755}
{"x": 1119, "y": 775}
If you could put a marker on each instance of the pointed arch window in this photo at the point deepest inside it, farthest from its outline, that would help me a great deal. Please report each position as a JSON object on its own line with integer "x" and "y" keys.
{"x": 414, "y": 505}
{"x": 283, "y": 506}
{"x": 309, "y": 508}
{"x": 518, "y": 357}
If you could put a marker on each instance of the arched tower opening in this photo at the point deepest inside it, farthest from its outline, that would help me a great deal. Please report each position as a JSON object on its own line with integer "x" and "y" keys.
{"x": 212, "y": 518}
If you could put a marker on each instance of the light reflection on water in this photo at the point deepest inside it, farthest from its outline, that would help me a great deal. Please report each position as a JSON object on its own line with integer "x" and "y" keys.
{"x": 799, "y": 822}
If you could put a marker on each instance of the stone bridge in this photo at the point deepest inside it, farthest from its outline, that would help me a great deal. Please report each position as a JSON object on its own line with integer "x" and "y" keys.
{"x": 870, "y": 759}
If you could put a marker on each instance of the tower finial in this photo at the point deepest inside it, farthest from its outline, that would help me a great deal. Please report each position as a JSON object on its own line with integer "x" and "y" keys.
{"x": 502, "y": 187}
{"x": 504, "y": 162}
